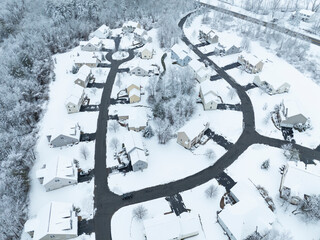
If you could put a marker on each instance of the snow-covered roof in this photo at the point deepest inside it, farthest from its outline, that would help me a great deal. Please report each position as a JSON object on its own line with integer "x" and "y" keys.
{"x": 196, "y": 65}
{"x": 103, "y": 28}
{"x": 137, "y": 117}
{"x": 252, "y": 59}
{"x": 130, "y": 24}
{"x": 149, "y": 48}
{"x": 72, "y": 130}
{"x": 203, "y": 72}
{"x": 83, "y": 72}
{"x": 180, "y": 51}
{"x": 108, "y": 43}
{"x": 58, "y": 168}
{"x": 194, "y": 127}
{"x": 207, "y": 87}
{"x": 209, "y": 48}
{"x": 205, "y": 29}
{"x": 306, "y": 12}
{"x": 140, "y": 31}
{"x": 55, "y": 218}
{"x": 170, "y": 226}
{"x": 274, "y": 81}
{"x": 301, "y": 179}
{"x": 135, "y": 92}
{"x": 251, "y": 213}
{"x": 86, "y": 57}
{"x": 211, "y": 97}
{"x": 76, "y": 93}
{"x": 137, "y": 155}
{"x": 132, "y": 140}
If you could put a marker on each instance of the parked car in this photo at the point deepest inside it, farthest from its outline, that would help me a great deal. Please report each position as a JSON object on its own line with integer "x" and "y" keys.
{"x": 127, "y": 196}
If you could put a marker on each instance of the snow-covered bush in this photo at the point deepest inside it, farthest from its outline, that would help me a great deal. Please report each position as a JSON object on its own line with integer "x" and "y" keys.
{"x": 266, "y": 164}
{"x": 148, "y": 132}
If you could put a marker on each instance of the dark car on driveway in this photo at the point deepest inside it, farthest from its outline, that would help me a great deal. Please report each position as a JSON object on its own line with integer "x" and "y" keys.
{"x": 127, "y": 196}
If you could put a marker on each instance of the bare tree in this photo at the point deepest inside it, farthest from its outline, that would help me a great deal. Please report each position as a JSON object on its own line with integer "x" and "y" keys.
{"x": 245, "y": 43}
{"x": 114, "y": 126}
{"x": 211, "y": 191}
{"x": 84, "y": 152}
{"x": 210, "y": 154}
{"x": 291, "y": 153}
{"x": 275, "y": 6}
{"x": 139, "y": 212}
{"x": 114, "y": 144}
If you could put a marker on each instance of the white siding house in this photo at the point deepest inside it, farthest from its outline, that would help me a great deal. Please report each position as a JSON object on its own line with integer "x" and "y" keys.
{"x": 56, "y": 220}
{"x": 68, "y": 136}
{"x": 87, "y": 58}
{"x": 147, "y": 53}
{"x": 75, "y": 100}
{"x": 102, "y": 32}
{"x": 94, "y": 44}
{"x": 210, "y": 99}
{"x": 269, "y": 88}
{"x": 250, "y": 63}
{"x": 57, "y": 173}
{"x": 139, "y": 71}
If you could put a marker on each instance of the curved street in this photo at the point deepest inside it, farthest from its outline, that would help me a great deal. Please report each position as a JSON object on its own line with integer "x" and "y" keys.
{"x": 265, "y": 24}
{"x": 107, "y": 203}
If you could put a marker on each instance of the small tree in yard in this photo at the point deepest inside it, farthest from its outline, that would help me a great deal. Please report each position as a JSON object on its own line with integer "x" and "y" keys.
{"x": 84, "y": 152}
{"x": 290, "y": 152}
{"x": 118, "y": 82}
{"x": 75, "y": 69}
{"x": 114, "y": 126}
{"x": 232, "y": 93}
{"x": 148, "y": 132}
{"x": 210, "y": 154}
{"x": 139, "y": 212}
{"x": 310, "y": 208}
{"x": 114, "y": 144}
{"x": 211, "y": 191}
{"x": 266, "y": 164}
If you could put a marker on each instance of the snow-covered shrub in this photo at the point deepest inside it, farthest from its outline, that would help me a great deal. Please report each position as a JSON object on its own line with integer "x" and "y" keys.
{"x": 148, "y": 132}
{"x": 266, "y": 164}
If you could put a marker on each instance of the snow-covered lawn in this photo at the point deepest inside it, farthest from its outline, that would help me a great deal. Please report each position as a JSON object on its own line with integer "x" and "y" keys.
{"x": 56, "y": 117}
{"x": 124, "y": 226}
{"x": 119, "y": 55}
{"x": 248, "y": 166}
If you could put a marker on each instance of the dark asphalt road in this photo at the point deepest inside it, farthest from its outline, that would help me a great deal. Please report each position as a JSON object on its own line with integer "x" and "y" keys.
{"x": 107, "y": 203}
{"x": 265, "y": 24}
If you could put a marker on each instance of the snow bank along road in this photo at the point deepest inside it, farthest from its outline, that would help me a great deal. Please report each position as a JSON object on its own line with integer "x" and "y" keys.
{"x": 263, "y": 23}
{"x": 107, "y": 203}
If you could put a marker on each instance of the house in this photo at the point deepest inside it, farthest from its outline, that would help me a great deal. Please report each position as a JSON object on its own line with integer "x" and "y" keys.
{"x": 208, "y": 35}
{"x": 83, "y": 76}
{"x": 230, "y": 49}
{"x": 134, "y": 92}
{"x": 130, "y": 26}
{"x": 298, "y": 181}
{"x": 192, "y": 132}
{"x": 87, "y": 58}
{"x": 250, "y": 64}
{"x": 74, "y": 102}
{"x": 137, "y": 119}
{"x": 201, "y": 73}
{"x": 269, "y": 88}
{"x": 135, "y": 150}
{"x": 298, "y": 121}
{"x": 305, "y": 15}
{"x": 102, "y": 32}
{"x": 57, "y": 173}
{"x": 94, "y": 44}
{"x": 210, "y": 99}
{"x": 56, "y": 220}
{"x": 139, "y": 71}
{"x": 172, "y": 227}
{"x": 180, "y": 55}
{"x": 68, "y": 136}
{"x": 147, "y": 53}
{"x": 138, "y": 33}
{"x": 249, "y": 214}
